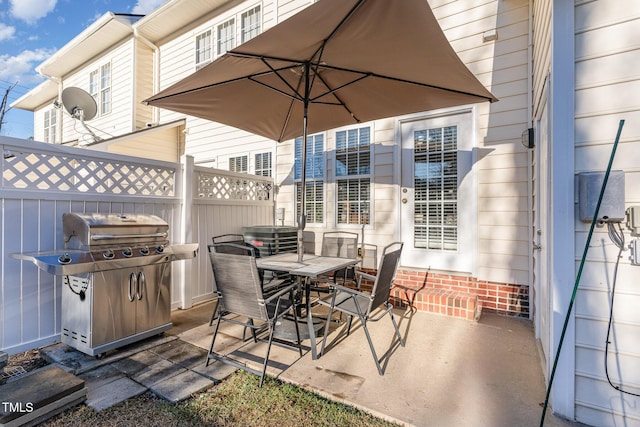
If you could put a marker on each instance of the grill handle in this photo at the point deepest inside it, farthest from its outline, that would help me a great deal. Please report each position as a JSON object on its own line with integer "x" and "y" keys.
{"x": 126, "y": 236}
{"x": 142, "y": 283}
{"x": 133, "y": 282}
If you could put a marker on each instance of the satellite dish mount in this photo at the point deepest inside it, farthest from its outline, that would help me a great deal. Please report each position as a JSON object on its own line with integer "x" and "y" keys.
{"x": 81, "y": 106}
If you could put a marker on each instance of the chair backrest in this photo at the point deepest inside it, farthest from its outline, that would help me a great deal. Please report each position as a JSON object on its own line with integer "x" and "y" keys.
{"x": 341, "y": 244}
{"x": 386, "y": 273}
{"x": 238, "y": 281}
{"x": 370, "y": 256}
{"x": 229, "y": 243}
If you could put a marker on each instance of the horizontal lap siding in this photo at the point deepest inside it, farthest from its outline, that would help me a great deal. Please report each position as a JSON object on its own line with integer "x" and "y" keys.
{"x": 121, "y": 119}
{"x": 607, "y": 88}
{"x": 144, "y": 87}
{"x": 501, "y": 168}
{"x": 210, "y": 143}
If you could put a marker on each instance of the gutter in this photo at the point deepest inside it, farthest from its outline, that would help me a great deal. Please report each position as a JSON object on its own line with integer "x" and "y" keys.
{"x": 156, "y": 69}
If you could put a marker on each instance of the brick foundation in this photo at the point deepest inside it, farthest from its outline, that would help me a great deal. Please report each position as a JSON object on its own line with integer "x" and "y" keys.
{"x": 458, "y": 296}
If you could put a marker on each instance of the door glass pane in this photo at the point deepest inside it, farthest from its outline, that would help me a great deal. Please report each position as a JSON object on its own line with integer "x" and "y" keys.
{"x": 435, "y": 183}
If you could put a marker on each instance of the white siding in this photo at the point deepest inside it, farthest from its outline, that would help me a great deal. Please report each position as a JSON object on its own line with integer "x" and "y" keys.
{"x": 121, "y": 118}
{"x": 502, "y": 67}
{"x": 607, "y": 66}
{"x": 210, "y": 143}
{"x": 143, "y": 86}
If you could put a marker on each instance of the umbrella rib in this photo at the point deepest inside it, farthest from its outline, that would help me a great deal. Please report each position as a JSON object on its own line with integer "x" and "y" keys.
{"x": 250, "y": 77}
{"x": 277, "y": 73}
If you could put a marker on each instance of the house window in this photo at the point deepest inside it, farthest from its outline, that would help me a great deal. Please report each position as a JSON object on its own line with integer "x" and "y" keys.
{"x": 226, "y": 36}
{"x": 203, "y": 49}
{"x": 353, "y": 176}
{"x": 238, "y": 164}
{"x": 100, "y": 88}
{"x": 263, "y": 164}
{"x": 314, "y": 183}
{"x": 250, "y": 24}
{"x": 105, "y": 89}
{"x": 50, "y": 119}
{"x": 436, "y": 188}
{"x": 94, "y": 84}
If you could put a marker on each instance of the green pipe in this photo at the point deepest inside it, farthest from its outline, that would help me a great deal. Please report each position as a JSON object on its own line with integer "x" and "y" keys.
{"x": 584, "y": 257}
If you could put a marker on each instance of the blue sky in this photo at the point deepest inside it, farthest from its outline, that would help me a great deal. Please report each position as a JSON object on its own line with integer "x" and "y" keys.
{"x": 32, "y": 30}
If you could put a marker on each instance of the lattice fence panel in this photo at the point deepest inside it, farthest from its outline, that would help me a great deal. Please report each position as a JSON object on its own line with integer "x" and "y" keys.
{"x": 231, "y": 187}
{"x": 45, "y": 171}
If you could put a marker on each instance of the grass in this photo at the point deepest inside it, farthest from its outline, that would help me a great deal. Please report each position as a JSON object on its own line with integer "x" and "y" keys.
{"x": 237, "y": 401}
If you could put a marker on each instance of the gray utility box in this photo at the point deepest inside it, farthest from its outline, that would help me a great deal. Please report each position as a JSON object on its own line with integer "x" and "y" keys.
{"x": 612, "y": 206}
{"x": 271, "y": 239}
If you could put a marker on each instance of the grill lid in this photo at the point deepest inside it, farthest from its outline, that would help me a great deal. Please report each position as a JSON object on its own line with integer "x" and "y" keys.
{"x": 95, "y": 230}
{"x": 99, "y": 242}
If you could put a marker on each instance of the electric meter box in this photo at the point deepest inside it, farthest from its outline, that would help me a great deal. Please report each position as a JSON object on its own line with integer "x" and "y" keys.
{"x": 612, "y": 206}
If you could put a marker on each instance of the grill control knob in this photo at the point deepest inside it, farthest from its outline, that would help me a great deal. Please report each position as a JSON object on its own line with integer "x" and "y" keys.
{"x": 159, "y": 249}
{"x": 126, "y": 252}
{"x": 108, "y": 254}
{"x": 65, "y": 258}
{"x": 144, "y": 251}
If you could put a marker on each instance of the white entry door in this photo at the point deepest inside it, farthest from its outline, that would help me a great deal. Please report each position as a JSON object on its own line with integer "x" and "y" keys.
{"x": 438, "y": 194}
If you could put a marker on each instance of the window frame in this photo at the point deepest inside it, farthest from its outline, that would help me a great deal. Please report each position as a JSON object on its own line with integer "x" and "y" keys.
{"x": 244, "y": 161}
{"x": 207, "y": 37}
{"x": 352, "y": 177}
{"x": 105, "y": 90}
{"x": 255, "y": 28}
{"x": 100, "y": 84}
{"x": 259, "y": 162}
{"x": 50, "y": 119}
{"x": 234, "y": 36}
{"x": 317, "y": 159}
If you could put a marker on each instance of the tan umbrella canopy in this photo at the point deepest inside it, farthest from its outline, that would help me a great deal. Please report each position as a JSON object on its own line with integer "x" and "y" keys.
{"x": 335, "y": 63}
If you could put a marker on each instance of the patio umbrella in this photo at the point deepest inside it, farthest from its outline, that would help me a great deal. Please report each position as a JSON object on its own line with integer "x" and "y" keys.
{"x": 335, "y": 63}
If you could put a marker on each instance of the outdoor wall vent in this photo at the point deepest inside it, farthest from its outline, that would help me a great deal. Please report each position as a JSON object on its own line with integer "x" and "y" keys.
{"x": 489, "y": 36}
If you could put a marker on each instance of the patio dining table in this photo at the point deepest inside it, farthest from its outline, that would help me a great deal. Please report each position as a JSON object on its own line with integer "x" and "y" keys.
{"x": 311, "y": 267}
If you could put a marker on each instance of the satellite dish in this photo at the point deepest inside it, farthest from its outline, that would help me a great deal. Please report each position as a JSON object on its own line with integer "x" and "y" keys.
{"x": 79, "y": 103}
{"x": 81, "y": 106}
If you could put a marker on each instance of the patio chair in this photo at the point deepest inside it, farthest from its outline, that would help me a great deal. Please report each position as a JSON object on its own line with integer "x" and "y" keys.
{"x": 233, "y": 244}
{"x": 241, "y": 294}
{"x": 355, "y": 303}
{"x": 339, "y": 244}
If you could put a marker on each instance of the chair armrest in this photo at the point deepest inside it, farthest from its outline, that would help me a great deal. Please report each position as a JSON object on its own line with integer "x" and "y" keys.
{"x": 347, "y": 290}
{"x": 366, "y": 275}
{"x": 281, "y": 292}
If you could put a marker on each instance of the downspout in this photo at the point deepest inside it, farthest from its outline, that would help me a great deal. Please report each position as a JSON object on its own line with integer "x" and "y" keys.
{"x": 58, "y": 81}
{"x": 156, "y": 69}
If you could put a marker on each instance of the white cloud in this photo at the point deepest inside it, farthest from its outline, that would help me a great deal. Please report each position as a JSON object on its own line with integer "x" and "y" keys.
{"x": 31, "y": 10}
{"x": 144, "y": 7}
{"x": 20, "y": 68}
{"x": 6, "y": 32}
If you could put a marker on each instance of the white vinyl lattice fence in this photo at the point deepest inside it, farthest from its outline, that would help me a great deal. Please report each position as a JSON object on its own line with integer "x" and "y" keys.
{"x": 62, "y": 170}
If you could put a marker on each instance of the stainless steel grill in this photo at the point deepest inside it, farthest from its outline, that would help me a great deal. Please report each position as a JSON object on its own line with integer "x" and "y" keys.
{"x": 116, "y": 273}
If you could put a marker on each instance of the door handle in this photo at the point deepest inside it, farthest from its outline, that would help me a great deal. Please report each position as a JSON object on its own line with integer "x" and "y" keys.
{"x": 133, "y": 281}
{"x": 142, "y": 283}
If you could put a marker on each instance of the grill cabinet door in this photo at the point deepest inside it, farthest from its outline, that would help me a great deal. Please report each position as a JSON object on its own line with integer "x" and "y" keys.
{"x": 153, "y": 297}
{"x": 113, "y": 312}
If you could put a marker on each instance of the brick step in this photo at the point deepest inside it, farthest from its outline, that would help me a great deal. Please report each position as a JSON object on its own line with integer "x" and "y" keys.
{"x": 439, "y": 301}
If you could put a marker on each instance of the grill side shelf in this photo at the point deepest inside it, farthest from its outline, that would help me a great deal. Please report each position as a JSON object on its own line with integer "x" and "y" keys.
{"x": 83, "y": 262}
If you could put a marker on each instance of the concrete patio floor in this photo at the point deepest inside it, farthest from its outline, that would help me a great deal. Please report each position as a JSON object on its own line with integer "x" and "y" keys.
{"x": 451, "y": 372}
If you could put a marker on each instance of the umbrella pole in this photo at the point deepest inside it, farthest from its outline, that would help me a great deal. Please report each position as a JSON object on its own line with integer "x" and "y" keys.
{"x": 302, "y": 219}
